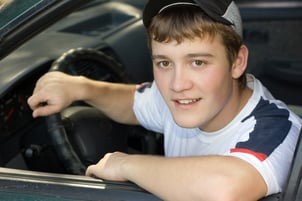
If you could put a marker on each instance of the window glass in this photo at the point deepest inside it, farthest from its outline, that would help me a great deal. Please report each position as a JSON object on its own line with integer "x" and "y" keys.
{"x": 14, "y": 12}
{"x": 14, "y": 9}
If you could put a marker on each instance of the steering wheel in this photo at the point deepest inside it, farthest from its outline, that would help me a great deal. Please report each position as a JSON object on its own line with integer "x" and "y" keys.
{"x": 73, "y": 62}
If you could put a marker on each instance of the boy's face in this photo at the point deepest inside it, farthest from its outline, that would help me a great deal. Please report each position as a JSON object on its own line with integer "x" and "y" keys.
{"x": 196, "y": 81}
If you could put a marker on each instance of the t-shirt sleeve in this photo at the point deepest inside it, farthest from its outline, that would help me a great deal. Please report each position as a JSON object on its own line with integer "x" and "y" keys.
{"x": 274, "y": 167}
{"x": 149, "y": 107}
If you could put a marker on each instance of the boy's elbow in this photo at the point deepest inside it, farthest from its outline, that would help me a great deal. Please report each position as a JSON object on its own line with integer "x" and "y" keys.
{"x": 226, "y": 195}
{"x": 231, "y": 190}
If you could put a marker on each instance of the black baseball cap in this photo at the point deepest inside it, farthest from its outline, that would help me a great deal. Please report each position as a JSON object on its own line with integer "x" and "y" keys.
{"x": 222, "y": 11}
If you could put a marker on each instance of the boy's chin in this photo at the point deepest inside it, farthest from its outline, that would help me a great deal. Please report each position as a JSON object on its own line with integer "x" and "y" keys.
{"x": 186, "y": 123}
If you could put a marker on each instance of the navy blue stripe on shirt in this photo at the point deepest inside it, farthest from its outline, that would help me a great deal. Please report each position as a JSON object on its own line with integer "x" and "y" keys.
{"x": 271, "y": 128}
{"x": 141, "y": 88}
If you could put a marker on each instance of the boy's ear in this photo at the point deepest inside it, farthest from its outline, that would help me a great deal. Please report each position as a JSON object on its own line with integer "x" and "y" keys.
{"x": 240, "y": 62}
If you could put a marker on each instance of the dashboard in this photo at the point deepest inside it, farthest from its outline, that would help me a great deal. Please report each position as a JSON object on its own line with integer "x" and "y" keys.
{"x": 14, "y": 110}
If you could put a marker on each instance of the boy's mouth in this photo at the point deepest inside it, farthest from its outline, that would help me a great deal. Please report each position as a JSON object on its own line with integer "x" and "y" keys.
{"x": 188, "y": 101}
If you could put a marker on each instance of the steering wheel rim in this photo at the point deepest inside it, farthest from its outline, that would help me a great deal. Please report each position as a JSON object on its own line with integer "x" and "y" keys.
{"x": 56, "y": 131}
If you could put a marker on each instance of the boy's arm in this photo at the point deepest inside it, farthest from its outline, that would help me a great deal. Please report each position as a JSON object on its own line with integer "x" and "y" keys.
{"x": 114, "y": 99}
{"x": 57, "y": 90}
{"x": 190, "y": 178}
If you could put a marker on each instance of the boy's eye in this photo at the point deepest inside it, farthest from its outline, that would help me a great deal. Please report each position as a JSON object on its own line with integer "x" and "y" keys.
{"x": 163, "y": 64}
{"x": 197, "y": 62}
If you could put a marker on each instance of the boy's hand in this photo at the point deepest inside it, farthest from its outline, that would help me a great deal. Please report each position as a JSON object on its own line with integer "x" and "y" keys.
{"x": 109, "y": 167}
{"x": 53, "y": 92}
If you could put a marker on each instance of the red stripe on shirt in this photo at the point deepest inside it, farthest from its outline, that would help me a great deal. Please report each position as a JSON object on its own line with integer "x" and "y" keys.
{"x": 258, "y": 155}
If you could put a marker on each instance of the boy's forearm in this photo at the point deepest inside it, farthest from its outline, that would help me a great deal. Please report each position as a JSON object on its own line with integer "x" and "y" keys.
{"x": 195, "y": 178}
{"x": 115, "y": 100}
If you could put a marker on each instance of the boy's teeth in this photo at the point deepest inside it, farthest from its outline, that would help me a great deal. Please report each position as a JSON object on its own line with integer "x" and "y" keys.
{"x": 186, "y": 101}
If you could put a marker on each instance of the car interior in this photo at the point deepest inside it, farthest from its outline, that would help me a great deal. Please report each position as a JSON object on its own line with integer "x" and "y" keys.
{"x": 100, "y": 41}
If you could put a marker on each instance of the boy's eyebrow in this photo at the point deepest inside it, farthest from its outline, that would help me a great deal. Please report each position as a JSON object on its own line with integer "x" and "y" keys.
{"x": 158, "y": 57}
{"x": 200, "y": 55}
{"x": 192, "y": 55}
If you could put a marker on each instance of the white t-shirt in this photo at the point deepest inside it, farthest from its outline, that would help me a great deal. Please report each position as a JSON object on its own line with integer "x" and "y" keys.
{"x": 264, "y": 133}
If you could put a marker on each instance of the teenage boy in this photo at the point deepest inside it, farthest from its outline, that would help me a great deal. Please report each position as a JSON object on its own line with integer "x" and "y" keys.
{"x": 226, "y": 137}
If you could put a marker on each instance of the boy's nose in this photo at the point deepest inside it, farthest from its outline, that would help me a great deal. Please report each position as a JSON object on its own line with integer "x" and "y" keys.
{"x": 180, "y": 80}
